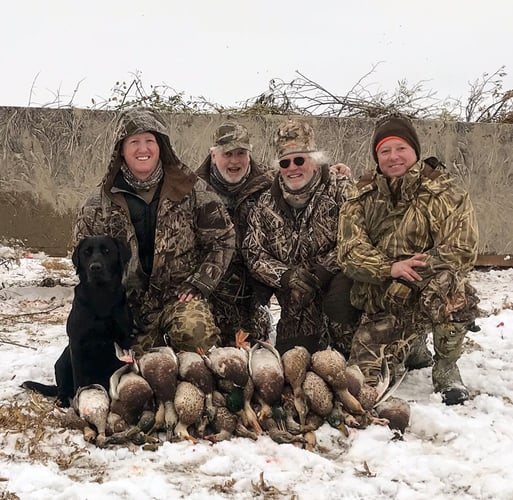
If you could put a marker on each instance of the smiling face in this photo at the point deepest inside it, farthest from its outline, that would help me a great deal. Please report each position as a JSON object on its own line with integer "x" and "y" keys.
{"x": 395, "y": 158}
{"x": 141, "y": 153}
{"x": 295, "y": 176}
{"x": 232, "y": 165}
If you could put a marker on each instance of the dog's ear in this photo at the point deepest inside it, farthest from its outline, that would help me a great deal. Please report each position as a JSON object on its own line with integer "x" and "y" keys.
{"x": 75, "y": 257}
{"x": 124, "y": 252}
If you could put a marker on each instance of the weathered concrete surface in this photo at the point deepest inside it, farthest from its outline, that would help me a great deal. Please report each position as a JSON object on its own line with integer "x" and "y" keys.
{"x": 51, "y": 159}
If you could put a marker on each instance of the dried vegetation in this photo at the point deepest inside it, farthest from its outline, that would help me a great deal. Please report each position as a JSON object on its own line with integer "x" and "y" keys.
{"x": 50, "y": 159}
{"x": 35, "y": 427}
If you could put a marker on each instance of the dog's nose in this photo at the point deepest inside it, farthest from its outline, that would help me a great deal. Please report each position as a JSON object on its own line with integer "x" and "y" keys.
{"x": 95, "y": 266}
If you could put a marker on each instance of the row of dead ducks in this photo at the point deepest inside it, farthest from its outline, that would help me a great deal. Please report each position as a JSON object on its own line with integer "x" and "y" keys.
{"x": 230, "y": 391}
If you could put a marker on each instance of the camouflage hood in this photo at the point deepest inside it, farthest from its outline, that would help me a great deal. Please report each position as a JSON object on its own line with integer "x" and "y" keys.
{"x": 136, "y": 121}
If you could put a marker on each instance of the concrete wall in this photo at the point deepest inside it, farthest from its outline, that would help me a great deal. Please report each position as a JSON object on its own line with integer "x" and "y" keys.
{"x": 50, "y": 159}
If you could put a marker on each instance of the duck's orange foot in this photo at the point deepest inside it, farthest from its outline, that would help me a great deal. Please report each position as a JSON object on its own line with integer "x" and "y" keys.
{"x": 240, "y": 339}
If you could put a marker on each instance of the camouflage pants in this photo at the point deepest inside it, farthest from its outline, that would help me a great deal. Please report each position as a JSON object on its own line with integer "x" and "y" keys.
{"x": 390, "y": 334}
{"x": 301, "y": 325}
{"x": 380, "y": 336}
{"x": 341, "y": 337}
{"x": 185, "y": 326}
{"x": 247, "y": 315}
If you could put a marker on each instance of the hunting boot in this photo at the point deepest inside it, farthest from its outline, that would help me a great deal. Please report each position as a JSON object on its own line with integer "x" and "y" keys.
{"x": 448, "y": 341}
{"x": 419, "y": 356}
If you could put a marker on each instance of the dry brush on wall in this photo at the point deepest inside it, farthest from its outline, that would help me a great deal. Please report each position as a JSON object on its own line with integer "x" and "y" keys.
{"x": 51, "y": 159}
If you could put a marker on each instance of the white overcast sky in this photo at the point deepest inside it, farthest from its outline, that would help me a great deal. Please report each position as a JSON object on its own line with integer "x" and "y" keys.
{"x": 228, "y": 50}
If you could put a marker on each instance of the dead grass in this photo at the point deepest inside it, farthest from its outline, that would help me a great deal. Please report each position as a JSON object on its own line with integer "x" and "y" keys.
{"x": 32, "y": 424}
{"x": 59, "y": 156}
{"x": 7, "y": 495}
{"x": 56, "y": 265}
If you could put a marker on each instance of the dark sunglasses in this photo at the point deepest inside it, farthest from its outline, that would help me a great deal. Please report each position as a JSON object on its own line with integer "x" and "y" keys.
{"x": 298, "y": 161}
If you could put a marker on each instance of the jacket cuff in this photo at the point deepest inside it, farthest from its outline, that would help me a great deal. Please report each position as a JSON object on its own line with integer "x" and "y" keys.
{"x": 203, "y": 283}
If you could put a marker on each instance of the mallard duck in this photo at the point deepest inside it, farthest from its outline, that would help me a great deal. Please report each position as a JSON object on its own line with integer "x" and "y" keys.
{"x": 238, "y": 400}
{"x": 285, "y": 413}
{"x": 189, "y": 405}
{"x": 296, "y": 362}
{"x": 339, "y": 418}
{"x": 137, "y": 434}
{"x": 367, "y": 395}
{"x": 266, "y": 371}
{"x": 92, "y": 404}
{"x": 223, "y": 421}
{"x": 318, "y": 394}
{"x": 396, "y": 411}
{"x": 230, "y": 365}
{"x": 192, "y": 368}
{"x": 355, "y": 379}
{"x": 159, "y": 367}
{"x": 331, "y": 366}
{"x": 129, "y": 393}
{"x": 278, "y": 434}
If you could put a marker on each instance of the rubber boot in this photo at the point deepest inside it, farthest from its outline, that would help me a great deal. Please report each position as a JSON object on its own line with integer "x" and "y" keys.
{"x": 448, "y": 341}
{"x": 419, "y": 356}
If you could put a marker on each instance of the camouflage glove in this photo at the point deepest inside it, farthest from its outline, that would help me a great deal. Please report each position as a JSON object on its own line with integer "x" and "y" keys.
{"x": 302, "y": 285}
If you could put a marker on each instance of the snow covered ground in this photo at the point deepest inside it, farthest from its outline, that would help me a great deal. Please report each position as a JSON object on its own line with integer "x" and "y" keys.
{"x": 462, "y": 452}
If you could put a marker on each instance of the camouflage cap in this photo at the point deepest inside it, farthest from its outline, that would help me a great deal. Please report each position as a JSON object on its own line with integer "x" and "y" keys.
{"x": 294, "y": 136}
{"x": 232, "y": 135}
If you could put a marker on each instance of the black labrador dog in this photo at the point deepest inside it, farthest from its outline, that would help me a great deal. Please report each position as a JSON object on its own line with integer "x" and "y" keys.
{"x": 99, "y": 319}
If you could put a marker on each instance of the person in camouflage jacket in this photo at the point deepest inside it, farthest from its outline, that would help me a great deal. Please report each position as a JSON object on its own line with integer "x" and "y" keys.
{"x": 409, "y": 238}
{"x": 290, "y": 244}
{"x": 239, "y": 301}
{"x": 180, "y": 234}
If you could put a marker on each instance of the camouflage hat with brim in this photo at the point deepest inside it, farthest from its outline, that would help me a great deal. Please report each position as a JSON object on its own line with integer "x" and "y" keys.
{"x": 294, "y": 136}
{"x": 232, "y": 135}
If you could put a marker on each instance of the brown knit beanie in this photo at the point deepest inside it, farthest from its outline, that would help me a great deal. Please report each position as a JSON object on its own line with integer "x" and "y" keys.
{"x": 395, "y": 125}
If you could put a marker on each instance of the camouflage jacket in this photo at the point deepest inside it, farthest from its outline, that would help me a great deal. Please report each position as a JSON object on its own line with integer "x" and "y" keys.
{"x": 277, "y": 240}
{"x": 236, "y": 283}
{"x": 241, "y": 202}
{"x": 430, "y": 214}
{"x": 194, "y": 236}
